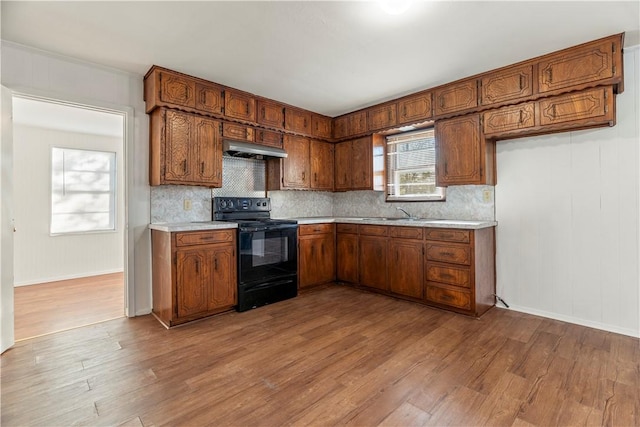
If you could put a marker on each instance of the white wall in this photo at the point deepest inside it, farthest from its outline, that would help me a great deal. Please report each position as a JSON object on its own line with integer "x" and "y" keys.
{"x": 40, "y": 257}
{"x": 35, "y": 72}
{"x": 567, "y": 212}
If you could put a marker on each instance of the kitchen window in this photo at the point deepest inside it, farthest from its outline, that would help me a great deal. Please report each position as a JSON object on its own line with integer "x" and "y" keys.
{"x": 411, "y": 167}
{"x": 83, "y": 191}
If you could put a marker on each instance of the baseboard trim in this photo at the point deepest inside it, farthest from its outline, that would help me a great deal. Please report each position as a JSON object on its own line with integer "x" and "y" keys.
{"x": 65, "y": 277}
{"x": 576, "y": 321}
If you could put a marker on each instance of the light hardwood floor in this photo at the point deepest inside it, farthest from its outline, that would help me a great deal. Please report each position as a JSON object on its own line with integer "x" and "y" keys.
{"x": 58, "y": 306}
{"x": 333, "y": 356}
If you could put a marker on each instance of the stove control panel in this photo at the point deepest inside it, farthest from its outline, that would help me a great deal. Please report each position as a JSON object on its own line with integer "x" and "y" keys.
{"x": 241, "y": 204}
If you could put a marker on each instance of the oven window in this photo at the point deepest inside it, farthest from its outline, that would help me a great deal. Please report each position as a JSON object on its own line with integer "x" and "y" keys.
{"x": 268, "y": 250}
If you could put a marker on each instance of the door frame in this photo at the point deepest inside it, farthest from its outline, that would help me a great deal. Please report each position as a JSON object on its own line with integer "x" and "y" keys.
{"x": 127, "y": 114}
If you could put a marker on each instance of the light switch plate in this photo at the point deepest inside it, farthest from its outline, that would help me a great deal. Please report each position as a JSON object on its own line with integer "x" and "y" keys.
{"x": 187, "y": 204}
{"x": 486, "y": 196}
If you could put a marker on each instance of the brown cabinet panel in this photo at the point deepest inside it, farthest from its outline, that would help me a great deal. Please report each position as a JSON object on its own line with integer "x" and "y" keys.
{"x": 239, "y": 105}
{"x": 372, "y": 254}
{"x": 577, "y": 66}
{"x": 357, "y": 123}
{"x": 340, "y": 127}
{"x": 451, "y": 275}
{"x": 507, "y": 85}
{"x": 316, "y": 254}
{"x": 521, "y": 116}
{"x": 460, "y": 254}
{"x": 313, "y": 229}
{"x": 346, "y": 256}
{"x": 406, "y": 232}
{"x": 322, "y": 170}
{"x": 177, "y": 89}
{"x": 295, "y": 167}
{"x": 456, "y": 97}
{"x": 192, "y": 281}
{"x": 321, "y": 126}
{"x": 581, "y": 107}
{"x": 448, "y": 297}
{"x": 362, "y": 164}
{"x": 415, "y": 109}
{"x": 209, "y": 98}
{"x": 347, "y": 228}
{"x": 239, "y": 132}
{"x": 266, "y": 137}
{"x": 406, "y": 268}
{"x": 342, "y": 164}
{"x": 298, "y": 121}
{"x": 192, "y": 238}
{"x": 180, "y": 132}
{"x": 207, "y": 152}
{"x": 270, "y": 114}
{"x": 223, "y": 291}
{"x": 448, "y": 235}
{"x": 381, "y": 117}
{"x": 373, "y": 230}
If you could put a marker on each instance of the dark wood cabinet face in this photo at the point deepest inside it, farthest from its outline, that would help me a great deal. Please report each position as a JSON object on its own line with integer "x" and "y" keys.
{"x": 178, "y": 146}
{"x": 381, "y": 117}
{"x": 406, "y": 266}
{"x": 265, "y": 137}
{"x": 239, "y": 105}
{"x": 297, "y": 121}
{"x": 347, "y": 257}
{"x": 578, "y": 107}
{"x": 316, "y": 254}
{"x": 322, "y": 162}
{"x": 505, "y": 119}
{"x": 237, "y": 131}
{"x": 458, "y": 97}
{"x": 415, "y": 108}
{"x": 271, "y": 114}
{"x": 209, "y": 98}
{"x": 321, "y": 126}
{"x": 373, "y": 262}
{"x": 362, "y": 164}
{"x": 295, "y": 167}
{"x": 506, "y": 85}
{"x": 342, "y": 165}
{"x": 208, "y": 152}
{"x": 460, "y": 151}
{"x": 223, "y": 288}
{"x": 177, "y": 90}
{"x": 192, "y": 281}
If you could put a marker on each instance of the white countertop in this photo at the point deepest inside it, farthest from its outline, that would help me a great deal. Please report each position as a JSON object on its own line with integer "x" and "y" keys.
{"x": 192, "y": 226}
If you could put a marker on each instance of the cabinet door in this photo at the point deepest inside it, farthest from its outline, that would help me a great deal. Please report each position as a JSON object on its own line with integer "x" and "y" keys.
{"x": 415, "y": 109}
{"x": 321, "y": 126}
{"x": 209, "y": 98}
{"x": 459, "y": 151}
{"x": 222, "y": 290}
{"x": 406, "y": 268}
{"x": 340, "y": 127}
{"x": 192, "y": 281}
{"x": 295, "y": 167}
{"x": 343, "y": 166}
{"x": 266, "y": 137}
{"x": 178, "y": 90}
{"x": 373, "y": 261}
{"x": 357, "y": 123}
{"x": 506, "y": 119}
{"x": 456, "y": 97}
{"x": 347, "y": 257}
{"x": 307, "y": 268}
{"x": 595, "y": 104}
{"x": 381, "y": 117}
{"x": 239, "y": 105}
{"x": 238, "y": 132}
{"x": 208, "y": 152}
{"x": 297, "y": 120}
{"x": 361, "y": 164}
{"x": 576, "y": 67}
{"x": 270, "y": 114}
{"x": 506, "y": 85}
{"x": 321, "y": 158}
{"x": 179, "y": 134}
{"x": 326, "y": 258}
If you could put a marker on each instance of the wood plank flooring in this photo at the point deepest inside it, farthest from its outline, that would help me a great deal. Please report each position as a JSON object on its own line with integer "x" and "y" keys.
{"x": 333, "y": 356}
{"x": 57, "y": 306}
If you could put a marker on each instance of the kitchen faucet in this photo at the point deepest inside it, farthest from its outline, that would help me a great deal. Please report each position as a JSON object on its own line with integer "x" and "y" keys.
{"x": 407, "y": 213}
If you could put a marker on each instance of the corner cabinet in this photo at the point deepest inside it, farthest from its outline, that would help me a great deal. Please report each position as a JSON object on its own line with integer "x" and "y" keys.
{"x": 194, "y": 274}
{"x": 308, "y": 165}
{"x": 316, "y": 254}
{"x": 463, "y": 155}
{"x": 184, "y": 149}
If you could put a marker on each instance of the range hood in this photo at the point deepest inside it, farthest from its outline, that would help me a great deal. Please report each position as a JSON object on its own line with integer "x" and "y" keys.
{"x": 246, "y": 149}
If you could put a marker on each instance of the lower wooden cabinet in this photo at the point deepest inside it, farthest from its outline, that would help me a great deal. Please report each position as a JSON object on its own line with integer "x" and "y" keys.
{"x": 194, "y": 274}
{"x": 372, "y": 255}
{"x": 316, "y": 254}
{"x": 347, "y": 253}
{"x": 406, "y": 262}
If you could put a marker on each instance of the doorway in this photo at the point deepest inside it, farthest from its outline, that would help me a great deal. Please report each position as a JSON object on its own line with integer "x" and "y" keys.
{"x": 69, "y": 244}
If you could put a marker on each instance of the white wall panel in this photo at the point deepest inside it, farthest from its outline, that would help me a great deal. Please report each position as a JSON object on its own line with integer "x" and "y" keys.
{"x": 567, "y": 212}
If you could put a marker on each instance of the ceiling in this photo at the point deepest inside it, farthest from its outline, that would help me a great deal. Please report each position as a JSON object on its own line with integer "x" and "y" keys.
{"x": 330, "y": 57}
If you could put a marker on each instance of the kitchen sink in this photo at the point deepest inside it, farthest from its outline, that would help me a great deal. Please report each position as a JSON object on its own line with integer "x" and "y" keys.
{"x": 394, "y": 219}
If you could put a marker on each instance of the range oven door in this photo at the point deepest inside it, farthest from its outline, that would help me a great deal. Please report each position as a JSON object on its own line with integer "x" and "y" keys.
{"x": 267, "y": 254}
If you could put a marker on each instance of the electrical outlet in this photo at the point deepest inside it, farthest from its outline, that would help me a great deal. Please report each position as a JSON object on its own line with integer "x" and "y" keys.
{"x": 187, "y": 204}
{"x": 486, "y": 196}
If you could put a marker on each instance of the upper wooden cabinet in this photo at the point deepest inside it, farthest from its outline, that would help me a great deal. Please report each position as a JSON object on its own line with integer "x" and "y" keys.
{"x": 456, "y": 97}
{"x": 579, "y": 66}
{"x": 265, "y": 137}
{"x": 321, "y": 159}
{"x": 415, "y": 108}
{"x": 506, "y": 85}
{"x": 308, "y": 165}
{"x": 381, "y": 117}
{"x": 209, "y": 98}
{"x": 295, "y": 167}
{"x": 239, "y": 105}
{"x": 238, "y": 132}
{"x": 298, "y": 121}
{"x": 270, "y": 114}
{"x": 354, "y": 164}
{"x": 463, "y": 155}
{"x": 321, "y": 126}
{"x": 350, "y": 125}
{"x": 167, "y": 88}
{"x": 184, "y": 149}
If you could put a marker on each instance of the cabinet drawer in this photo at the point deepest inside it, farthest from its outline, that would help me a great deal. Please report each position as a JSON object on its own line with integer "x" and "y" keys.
{"x": 457, "y": 276}
{"x": 347, "y": 228}
{"x": 266, "y": 137}
{"x": 454, "y": 298}
{"x": 305, "y": 230}
{"x": 406, "y": 232}
{"x": 460, "y": 254}
{"x": 507, "y": 119}
{"x": 204, "y": 237}
{"x": 448, "y": 235}
{"x": 373, "y": 230}
{"x": 239, "y": 132}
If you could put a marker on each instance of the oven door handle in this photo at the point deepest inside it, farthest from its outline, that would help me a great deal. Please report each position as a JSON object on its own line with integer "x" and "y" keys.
{"x": 272, "y": 228}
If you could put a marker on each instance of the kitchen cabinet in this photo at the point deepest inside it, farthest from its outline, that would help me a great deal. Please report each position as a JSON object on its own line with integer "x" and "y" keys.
{"x": 354, "y": 163}
{"x": 298, "y": 121}
{"x": 184, "y": 149}
{"x": 209, "y": 98}
{"x": 237, "y": 132}
{"x": 321, "y": 126}
{"x": 372, "y": 256}
{"x": 316, "y": 254}
{"x": 347, "y": 253}
{"x": 576, "y": 110}
{"x": 415, "y": 108}
{"x": 381, "y": 116}
{"x": 579, "y": 66}
{"x": 169, "y": 89}
{"x": 463, "y": 155}
{"x": 270, "y": 114}
{"x": 295, "y": 167}
{"x": 406, "y": 261}
{"x": 270, "y": 138}
{"x": 193, "y": 274}
{"x": 460, "y": 269}
{"x": 239, "y": 105}
{"x": 506, "y": 85}
{"x": 456, "y": 97}
{"x": 321, "y": 158}
{"x": 350, "y": 125}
